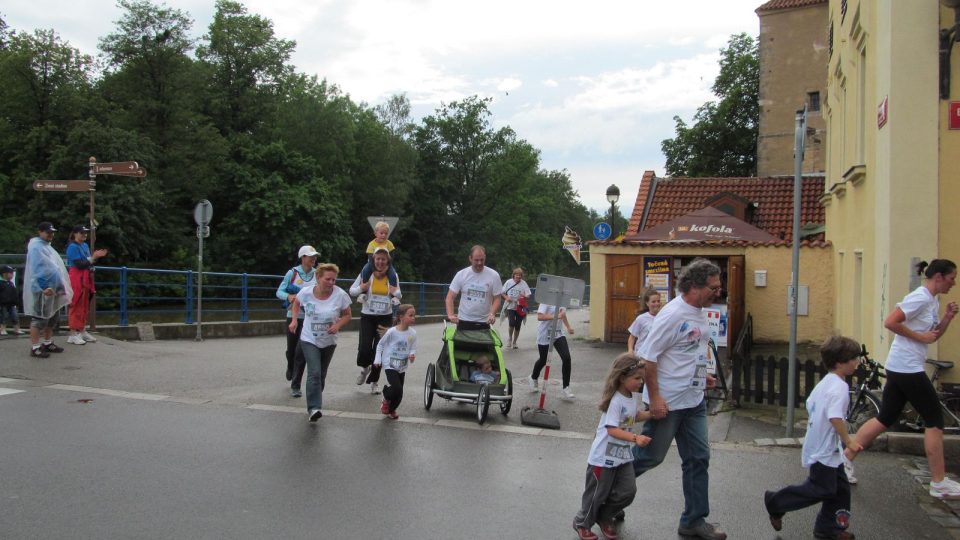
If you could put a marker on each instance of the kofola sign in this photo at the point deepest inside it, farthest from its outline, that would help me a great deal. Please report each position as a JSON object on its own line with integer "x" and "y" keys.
{"x": 719, "y": 231}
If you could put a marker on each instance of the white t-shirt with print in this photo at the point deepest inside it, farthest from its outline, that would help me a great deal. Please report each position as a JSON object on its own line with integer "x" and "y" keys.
{"x": 607, "y": 451}
{"x": 677, "y": 343}
{"x": 516, "y": 290}
{"x": 320, "y": 314}
{"x": 395, "y": 348}
{"x": 543, "y": 327}
{"x": 922, "y": 310}
{"x": 829, "y": 399}
{"x": 639, "y": 329}
{"x": 477, "y": 291}
{"x": 376, "y": 304}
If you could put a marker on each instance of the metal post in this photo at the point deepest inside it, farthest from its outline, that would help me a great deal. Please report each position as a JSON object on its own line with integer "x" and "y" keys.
{"x": 200, "y": 287}
{"x": 124, "y": 283}
{"x": 423, "y": 298}
{"x": 92, "y": 316}
{"x": 613, "y": 221}
{"x": 800, "y": 133}
{"x": 244, "y": 312}
{"x": 189, "y": 296}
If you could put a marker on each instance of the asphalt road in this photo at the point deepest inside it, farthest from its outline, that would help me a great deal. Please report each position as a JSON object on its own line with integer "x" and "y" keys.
{"x": 202, "y": 440}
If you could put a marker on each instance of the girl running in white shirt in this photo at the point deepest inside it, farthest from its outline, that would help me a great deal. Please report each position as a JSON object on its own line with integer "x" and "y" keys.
{"x": 396, "y": 349}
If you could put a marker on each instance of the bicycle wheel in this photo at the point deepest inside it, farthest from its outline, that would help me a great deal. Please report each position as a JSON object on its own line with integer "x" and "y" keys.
{"x": 863, "y": 407}
{"x": 951, "y": 414}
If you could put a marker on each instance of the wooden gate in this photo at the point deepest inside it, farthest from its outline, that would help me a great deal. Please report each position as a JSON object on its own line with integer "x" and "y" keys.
{"x": 624, "y": 282}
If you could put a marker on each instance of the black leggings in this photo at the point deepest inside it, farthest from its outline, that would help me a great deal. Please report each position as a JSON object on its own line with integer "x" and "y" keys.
{"x": 915, "y": 388}
{"x": 393, "y": 392}
{"x": 295, "y": 360}
{"x": 560, "y": 344}
{"x": 369, "y": 338}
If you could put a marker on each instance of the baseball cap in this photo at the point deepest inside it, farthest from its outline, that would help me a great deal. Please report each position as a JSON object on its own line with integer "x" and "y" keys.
{"x": 46, "y": 226}
{"x": 307, "y": 251}
{"x": 80, "y": 228}
{"x": 6, "y": 269}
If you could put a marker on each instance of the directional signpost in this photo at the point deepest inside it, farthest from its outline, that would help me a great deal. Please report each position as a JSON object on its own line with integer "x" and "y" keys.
{"x": 64, "y": 185}
{"x": 202, "y": 214}
{"x": 120, "y": 168}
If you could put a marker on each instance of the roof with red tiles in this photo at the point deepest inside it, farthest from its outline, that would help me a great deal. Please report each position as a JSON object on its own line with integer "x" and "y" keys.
{"x": 662, "y": 199}
{"x": 774, "y": 5}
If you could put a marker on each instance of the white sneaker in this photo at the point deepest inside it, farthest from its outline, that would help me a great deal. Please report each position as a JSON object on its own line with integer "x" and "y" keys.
{"x": 75, "y": 339}
{"x": 315, "y": 415}
{"x": 948, "y": 489}
{"x": 87, "y": 337}
{"x": 3, "y": 333}
{"x": 362, "y": 299}
{"x": 533, "y": 385}
{"x": 566, "y": 393}
{"x": 849, "y": 470}
{"x": 363, "y": 375}
{"x": 374, "y": 388}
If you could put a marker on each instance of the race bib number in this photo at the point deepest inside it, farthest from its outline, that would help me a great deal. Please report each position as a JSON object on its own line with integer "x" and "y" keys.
{"x": 379, "y": 303}
{"x": 619, "y": 450}
{"x": 513, "y": 293}
{"x": 399, "y": 361}
{"x": 699, "y": 380}
{"x": 475, "y": 293}
{"x": 320, "y": 322}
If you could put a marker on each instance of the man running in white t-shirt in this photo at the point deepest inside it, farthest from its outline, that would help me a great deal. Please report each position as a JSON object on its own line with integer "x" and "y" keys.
{"x": 479, "y": 289}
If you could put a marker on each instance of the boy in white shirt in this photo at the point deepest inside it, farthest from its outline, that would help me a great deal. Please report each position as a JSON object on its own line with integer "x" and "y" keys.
{"x": 826, "y": 429}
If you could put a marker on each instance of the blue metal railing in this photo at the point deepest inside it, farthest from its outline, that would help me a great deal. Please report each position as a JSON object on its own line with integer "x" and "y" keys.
{"x": 145, "y": 294}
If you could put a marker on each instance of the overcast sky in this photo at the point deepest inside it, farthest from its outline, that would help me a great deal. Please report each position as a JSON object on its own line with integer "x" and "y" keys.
{"x": 593, "y": 85}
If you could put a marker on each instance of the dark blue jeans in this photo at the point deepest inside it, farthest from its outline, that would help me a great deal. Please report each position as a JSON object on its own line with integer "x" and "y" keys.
{"x": 827, "y": 485}
{"x": 689, "y": 428}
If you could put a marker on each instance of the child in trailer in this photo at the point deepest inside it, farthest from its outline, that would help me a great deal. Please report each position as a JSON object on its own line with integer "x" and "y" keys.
{"x": 396, "y": 349}
{"x": 827, "y": 482}
{"x": 611, "y": 484}
{"x": 484, "y": 373}
{"x": 381, "y": 231}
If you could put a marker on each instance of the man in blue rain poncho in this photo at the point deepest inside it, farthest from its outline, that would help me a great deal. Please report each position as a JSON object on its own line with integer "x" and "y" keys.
{"x": 46, "y": 289}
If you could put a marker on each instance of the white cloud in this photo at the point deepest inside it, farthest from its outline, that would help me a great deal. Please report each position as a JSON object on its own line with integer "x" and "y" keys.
{"x": 550, "y": 83}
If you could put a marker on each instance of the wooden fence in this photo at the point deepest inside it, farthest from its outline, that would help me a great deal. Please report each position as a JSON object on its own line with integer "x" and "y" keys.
{"x": 764, "y": 380}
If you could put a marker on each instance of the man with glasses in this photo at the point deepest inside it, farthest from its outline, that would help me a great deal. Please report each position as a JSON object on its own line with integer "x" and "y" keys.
{"x": 675, "y": 352}
{"x": 46, "y": 290}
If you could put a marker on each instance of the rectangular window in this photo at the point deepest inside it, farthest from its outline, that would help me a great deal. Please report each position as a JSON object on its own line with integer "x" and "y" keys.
{"x": 813, "y": 101}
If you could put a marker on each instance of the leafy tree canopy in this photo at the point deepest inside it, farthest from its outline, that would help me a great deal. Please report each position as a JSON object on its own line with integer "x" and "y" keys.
{"x": 723, "y": 138}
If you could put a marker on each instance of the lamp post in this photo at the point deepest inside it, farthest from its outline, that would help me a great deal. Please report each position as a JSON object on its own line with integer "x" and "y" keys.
{"x": 613, "y": 195}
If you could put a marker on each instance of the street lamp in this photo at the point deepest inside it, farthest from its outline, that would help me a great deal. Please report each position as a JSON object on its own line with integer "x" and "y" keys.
{"x": 613, "y": 195}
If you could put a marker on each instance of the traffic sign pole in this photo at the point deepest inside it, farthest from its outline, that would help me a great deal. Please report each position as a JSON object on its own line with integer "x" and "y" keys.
{"x": 202, "y": 214}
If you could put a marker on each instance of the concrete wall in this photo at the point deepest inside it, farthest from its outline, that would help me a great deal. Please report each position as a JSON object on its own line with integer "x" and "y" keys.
{"x": 793, "y": 62}
{"x": 768, "y": 305}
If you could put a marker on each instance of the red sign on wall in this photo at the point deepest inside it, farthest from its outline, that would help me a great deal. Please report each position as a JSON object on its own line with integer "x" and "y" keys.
{"x": 954, "y": 112}
{"x": 883, "y": 112}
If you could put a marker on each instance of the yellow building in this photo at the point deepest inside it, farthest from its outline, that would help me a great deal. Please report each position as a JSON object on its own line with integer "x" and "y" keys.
{"x": 893, "y": 178}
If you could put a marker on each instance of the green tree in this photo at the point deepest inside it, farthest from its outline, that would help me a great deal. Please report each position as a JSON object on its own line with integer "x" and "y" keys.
{"x": 247, "y": 65}
{"x": 723, "y": 138}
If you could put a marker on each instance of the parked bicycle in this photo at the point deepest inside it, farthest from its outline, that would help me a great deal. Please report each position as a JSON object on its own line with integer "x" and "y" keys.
{"x": 949, "y": 403}
{"x": 864, "y": 396}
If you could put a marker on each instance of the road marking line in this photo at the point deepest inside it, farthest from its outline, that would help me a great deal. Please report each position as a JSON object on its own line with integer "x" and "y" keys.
{"x": 4, "y": 380}
{"x": 461, "y": 424}
{"x": 108, "y": 392}
{"x": 8, "y": 391}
